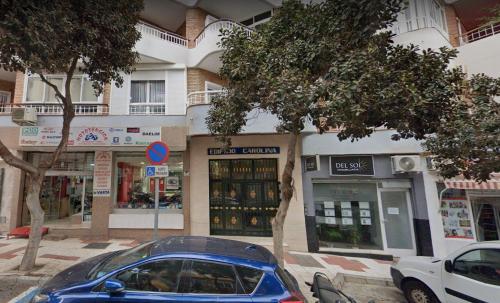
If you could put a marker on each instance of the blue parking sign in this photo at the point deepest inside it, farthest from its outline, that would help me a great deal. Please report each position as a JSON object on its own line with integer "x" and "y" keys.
{"x": 150, "y": 171}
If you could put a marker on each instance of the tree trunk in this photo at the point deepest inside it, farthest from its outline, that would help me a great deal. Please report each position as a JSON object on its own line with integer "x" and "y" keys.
{"x": 37, "y": 216}
{"x": 286, "y": 196}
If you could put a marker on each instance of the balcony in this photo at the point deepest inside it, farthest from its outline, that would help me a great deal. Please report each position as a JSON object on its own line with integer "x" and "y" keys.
{"x": 147, "y": 109}
{"x": 202, "y": 97}
{"x": 55, "y": 109}
{"x": 216, "y": 26}
{"x": 160, "y": 45}
{"x": 480, "y": 33}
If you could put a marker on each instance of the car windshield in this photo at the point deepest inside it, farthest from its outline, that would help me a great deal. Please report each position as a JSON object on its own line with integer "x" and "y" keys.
{"x": 124, "y": 258}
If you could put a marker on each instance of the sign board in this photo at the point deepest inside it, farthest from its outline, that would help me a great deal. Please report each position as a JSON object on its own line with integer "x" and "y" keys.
{"x": 351, "y": 165}
{"x": 155, "y": 171}
{"x": 456, "y": 219}
{"x": 102, "y": 174}
{"x": 157, "y": 153}
{"x": 243, "y": 151}
{"x": 90, "y": 136}
{"x": 311, "y": 163}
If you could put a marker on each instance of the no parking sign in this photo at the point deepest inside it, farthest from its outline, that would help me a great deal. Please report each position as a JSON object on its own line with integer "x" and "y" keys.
{"x": 157, "y": 153}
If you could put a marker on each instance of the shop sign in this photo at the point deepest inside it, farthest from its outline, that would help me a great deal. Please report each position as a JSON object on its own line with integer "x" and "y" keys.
{"x": 102, "y": 174}
{"x": 243, "y": 151}
{"x": 90, "y": 136}
{"x": 311, "y": 163}
{"x": 456, "y": 219}
{"x": 351, "y": 165}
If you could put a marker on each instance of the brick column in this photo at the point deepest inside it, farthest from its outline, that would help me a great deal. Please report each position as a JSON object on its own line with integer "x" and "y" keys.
{"x": 195, "y": 23}
{"x": 19, "y": 88}
{"x": 451, "y": 22}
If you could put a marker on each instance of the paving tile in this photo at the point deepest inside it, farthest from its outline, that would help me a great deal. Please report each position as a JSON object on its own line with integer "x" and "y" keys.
{"x": 59, "y": 257}
{"x": 3, "y": 244}
{"x": 133, "y": 243}
{"x": 11, "y": 253}
{"x": 345, "y": 263}
{"x": 306, "y": 260}
{"x": 290, "y": 259}
{"x": 97, "y": 245}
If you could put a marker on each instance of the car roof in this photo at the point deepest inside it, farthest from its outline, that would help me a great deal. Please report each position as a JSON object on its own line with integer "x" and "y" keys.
{"x": 213, "y": 246}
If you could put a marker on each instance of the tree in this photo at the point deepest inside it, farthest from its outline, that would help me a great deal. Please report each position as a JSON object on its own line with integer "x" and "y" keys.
{"x": 64, "y": 36}
{"x": 333, "y": 64}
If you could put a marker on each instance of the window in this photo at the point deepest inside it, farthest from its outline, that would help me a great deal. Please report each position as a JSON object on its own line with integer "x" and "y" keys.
{"x": 212, "y": 278}
{"x": 147, "y": 97}
{"x": 135, "y": 190}
{"x": 243, "y": 196}
{"x": 249, "y": 277}
{"x": 81, "y": 90}
{"x": 4, "y": 98}
{"x": 482, "y": 265}
{"x": 159, "y": 276}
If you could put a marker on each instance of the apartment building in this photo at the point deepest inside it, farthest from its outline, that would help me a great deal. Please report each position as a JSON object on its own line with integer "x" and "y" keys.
{"x": 99, "y": 187}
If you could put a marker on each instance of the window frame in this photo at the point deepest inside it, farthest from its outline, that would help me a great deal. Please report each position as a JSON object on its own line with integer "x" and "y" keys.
{"x": 239, "y": 284}
{"x": 185, "y": 263}
{"x": 7, "y": 95}
{"x": 467, "y": 252}
{"x": 148, "y": 102}
{"x": 81, "y": 77}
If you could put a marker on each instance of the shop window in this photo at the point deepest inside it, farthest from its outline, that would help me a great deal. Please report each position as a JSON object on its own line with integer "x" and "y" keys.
{"x": 244, "y": 196}
{"x": 347, "y": 215}
{"x": 135, "y": 190}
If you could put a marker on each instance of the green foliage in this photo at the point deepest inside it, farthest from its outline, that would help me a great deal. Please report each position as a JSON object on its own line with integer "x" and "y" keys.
{"x": 45, "y": 36}
{"x": 333, "y": 64}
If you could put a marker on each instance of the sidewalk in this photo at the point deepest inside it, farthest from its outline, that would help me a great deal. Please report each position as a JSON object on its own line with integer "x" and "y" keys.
{"x": 54, "y": 256}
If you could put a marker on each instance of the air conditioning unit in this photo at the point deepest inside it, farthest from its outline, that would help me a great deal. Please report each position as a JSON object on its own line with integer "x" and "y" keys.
{"x": 24, "y": 116}
{"x": 405, "y": 164}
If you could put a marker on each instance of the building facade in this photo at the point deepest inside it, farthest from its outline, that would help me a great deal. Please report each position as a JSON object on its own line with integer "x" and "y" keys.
{"x": 349, "y": 196}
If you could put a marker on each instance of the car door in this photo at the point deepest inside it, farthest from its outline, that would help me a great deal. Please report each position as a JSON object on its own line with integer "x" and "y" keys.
{"x": 475, "y": 277}
{"x": 155, "y": 281}
{"x": 213, "y": 282}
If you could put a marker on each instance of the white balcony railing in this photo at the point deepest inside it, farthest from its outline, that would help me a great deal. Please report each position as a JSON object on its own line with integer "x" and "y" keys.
{"x": 216, "y": 26}
{"x": 54, "y": 109}
{"x": 480, "y": 33}
{"x": 149, "y": 30}
{"x": 202, "y": 97}
{"x": 147, "y": 108}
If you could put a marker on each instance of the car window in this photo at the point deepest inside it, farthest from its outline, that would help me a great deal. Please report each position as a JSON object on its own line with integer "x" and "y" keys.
{"x": 212, "y": 278}
{"x": 249, "y": 277}
{"x": 482, "y": 265}
{"x": 158, "y": 276}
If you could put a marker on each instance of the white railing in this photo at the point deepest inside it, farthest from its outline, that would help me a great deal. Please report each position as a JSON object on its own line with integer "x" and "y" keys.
{"x": 49, "y": 109}
{"x": 149, "y": 30}
{"x": 202, "y": 97}
{"x": 147, "y": 109}
{"x": 408, "y": 25}
{"x": 480, "y": 33}
{"x": 216, "y": 27}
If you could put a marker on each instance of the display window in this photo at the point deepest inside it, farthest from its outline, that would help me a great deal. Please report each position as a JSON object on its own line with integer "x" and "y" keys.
{"x": 243, "y": 197}
{"x": 136, "y": 191}
{"x": 347, "y": 215}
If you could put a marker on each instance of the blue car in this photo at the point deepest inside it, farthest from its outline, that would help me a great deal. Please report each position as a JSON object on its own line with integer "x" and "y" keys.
{"x": 176, "y": 269}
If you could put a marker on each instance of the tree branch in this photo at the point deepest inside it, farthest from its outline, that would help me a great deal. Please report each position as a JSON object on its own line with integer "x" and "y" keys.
{"x": 12, "y": 160}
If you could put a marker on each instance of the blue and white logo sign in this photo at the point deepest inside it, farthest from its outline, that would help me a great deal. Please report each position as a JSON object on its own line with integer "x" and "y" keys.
{"x": 150, "y": 171}
{"x": 157, "y": 171}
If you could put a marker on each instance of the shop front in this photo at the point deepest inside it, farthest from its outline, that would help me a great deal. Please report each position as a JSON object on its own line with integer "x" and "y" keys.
{"x": 235, "y": 192}
{"x": 99, "y": 188}
{"x": 355, "y": 204}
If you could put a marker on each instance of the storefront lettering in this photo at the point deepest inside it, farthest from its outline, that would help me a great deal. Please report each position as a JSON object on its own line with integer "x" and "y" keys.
{"x": 243, "y": 151}
{"x": 351, "y": 165}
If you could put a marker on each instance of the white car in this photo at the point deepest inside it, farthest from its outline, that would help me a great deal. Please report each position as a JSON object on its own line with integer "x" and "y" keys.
{"x": 471, "y": 274}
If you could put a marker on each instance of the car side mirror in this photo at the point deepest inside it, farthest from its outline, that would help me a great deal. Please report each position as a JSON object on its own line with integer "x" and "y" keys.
{"x": 448, "y": 266}
{"x": 114, "y": 286}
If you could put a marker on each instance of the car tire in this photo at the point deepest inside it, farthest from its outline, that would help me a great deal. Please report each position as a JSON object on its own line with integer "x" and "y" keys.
{"x": 418, "y": 292}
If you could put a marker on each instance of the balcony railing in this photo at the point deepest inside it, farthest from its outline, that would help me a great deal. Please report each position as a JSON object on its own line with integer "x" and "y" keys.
{"x": 480, "y": 33}
{"x": 54, "y": 109}
{"x": 147, "y": 108}
{"x": 216, "y": 26}
{"x": 202, "y": 97}
{"x": 149, "y": 30}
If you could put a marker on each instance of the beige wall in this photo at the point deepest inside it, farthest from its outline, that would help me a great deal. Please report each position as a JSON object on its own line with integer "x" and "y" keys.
{"x": 11, "y": 195}
{"x": 295, "y": 230}
{"x": 196, "y": 79}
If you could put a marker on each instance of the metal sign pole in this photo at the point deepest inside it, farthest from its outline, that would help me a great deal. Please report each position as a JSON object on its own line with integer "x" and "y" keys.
{"x": 157, "y": 207}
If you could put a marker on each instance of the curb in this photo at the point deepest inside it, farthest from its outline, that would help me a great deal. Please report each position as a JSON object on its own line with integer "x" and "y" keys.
{"x": 26, "y": 296}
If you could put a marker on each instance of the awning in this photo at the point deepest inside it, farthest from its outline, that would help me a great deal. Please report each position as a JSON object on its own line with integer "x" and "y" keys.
{"x": 460, "y": 182}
